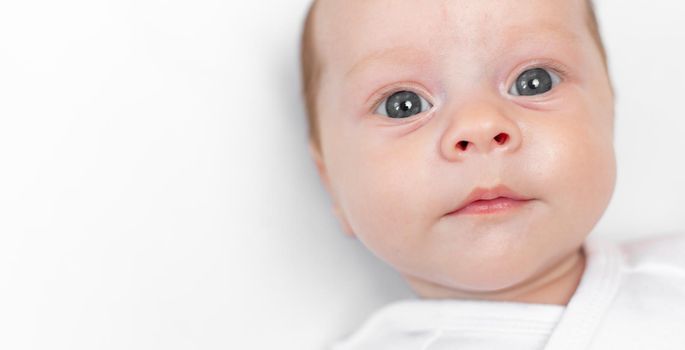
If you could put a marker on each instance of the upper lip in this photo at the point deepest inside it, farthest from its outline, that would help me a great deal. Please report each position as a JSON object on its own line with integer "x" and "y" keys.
{"x": 480, "y": 193}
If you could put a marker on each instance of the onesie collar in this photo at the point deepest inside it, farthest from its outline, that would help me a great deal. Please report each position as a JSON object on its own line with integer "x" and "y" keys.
{"x": 597, "y": 288}
{"x": 573, "y": 329}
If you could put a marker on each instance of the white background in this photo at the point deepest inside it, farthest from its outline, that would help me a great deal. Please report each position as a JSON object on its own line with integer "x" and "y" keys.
{"x": 156, "y": 191}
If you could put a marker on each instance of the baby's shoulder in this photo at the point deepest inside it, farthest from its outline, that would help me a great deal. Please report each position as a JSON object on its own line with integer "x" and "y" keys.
{"x": 661, "y": 250}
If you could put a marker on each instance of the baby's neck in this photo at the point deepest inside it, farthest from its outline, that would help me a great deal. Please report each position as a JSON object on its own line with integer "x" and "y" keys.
{"x": 556, "y": 286}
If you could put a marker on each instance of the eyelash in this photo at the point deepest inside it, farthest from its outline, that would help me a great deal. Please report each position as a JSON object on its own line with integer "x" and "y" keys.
{"x": 558, "y": 68}
{"x": 378, "y": 100}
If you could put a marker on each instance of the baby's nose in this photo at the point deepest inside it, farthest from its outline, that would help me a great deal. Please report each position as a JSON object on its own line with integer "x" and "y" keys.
{"x": 479, "y": 127}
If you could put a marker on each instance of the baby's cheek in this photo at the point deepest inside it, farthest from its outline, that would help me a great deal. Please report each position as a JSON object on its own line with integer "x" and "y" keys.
{"x": 580, "y": 170}
{"x": 385, "y": 204}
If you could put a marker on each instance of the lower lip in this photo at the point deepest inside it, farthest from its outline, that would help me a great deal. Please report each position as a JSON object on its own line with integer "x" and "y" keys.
{"x": 493, "y": 206}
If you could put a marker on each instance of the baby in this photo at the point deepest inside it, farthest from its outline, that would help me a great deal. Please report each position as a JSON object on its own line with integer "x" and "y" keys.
{"x": 469, "y": 145}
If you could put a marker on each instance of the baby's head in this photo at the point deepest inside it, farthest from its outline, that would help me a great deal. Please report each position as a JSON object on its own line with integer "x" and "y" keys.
{"x": 414, "y": 104}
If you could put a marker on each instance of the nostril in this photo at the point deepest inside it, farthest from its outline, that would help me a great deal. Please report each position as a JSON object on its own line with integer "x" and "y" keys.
{"x": 501, "y": 138}
{"x": 462, "y": 145}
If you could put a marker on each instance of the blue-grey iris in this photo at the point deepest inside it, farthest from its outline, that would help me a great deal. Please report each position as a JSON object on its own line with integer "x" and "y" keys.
{"x": 403, "y": 104}
{"x": 533, "y": 82}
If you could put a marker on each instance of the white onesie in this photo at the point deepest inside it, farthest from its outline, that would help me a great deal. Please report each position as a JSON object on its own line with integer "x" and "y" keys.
{"x": 631, "y": 296}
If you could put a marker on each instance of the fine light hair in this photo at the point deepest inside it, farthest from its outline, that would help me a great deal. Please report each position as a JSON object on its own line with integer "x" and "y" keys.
{"x": 311, "y": 65}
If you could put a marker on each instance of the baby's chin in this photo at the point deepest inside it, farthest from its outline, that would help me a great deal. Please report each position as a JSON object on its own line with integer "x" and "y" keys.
{"x": 506, "y": 279}
{"x": 478, "y": 285}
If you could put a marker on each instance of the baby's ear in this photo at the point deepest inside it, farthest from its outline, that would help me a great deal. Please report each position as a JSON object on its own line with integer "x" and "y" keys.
{"x": 323, "y": 174}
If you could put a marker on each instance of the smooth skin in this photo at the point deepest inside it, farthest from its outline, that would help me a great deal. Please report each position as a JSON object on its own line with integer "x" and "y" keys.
{"x": 392, "y": 181}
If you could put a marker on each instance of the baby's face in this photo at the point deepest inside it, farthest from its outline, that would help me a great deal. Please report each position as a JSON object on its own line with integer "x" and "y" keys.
{"x": 397, "y": 164}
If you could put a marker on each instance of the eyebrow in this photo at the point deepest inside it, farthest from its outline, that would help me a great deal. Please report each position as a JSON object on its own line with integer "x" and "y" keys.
{"x": 410, "y": 55}
{"x": 401, "y": 55}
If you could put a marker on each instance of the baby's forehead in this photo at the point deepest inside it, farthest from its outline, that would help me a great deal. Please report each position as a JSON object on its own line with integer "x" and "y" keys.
{"x": 352, "y": 31}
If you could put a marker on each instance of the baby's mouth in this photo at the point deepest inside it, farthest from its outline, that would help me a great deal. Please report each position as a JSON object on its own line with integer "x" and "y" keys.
{"x": 490, "y": 206}
{"x": 498, "y": 199}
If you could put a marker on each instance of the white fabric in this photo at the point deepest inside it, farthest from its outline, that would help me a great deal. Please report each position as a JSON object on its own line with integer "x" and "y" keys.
{"x": 631, "y": 296}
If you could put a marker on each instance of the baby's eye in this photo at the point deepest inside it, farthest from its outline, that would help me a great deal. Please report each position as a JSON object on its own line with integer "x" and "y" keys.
{"x": 403, "y": 104}
{"x": 534, "y": 82}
